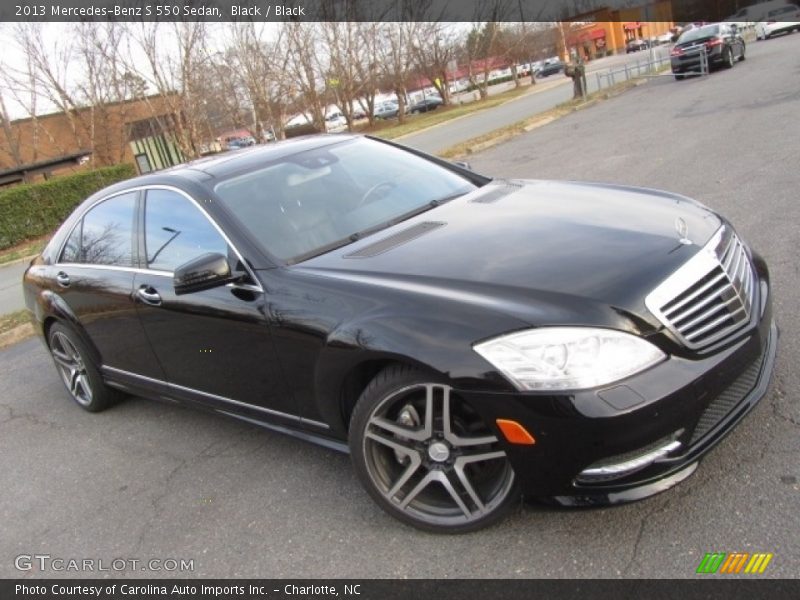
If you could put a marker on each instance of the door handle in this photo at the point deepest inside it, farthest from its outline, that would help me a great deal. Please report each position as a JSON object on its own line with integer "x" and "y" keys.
{"x": 62, "y": 279}
{"x": 149, "y": 295}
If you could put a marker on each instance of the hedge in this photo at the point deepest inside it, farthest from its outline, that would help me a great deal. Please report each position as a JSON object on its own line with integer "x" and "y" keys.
{"x": 35, "y": 209}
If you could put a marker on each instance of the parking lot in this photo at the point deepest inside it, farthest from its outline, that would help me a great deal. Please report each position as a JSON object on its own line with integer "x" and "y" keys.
{"x": 147, "y": 480}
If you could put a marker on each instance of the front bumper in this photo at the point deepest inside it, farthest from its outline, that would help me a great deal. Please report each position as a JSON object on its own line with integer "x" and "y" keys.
{"x": 692, "y": 401}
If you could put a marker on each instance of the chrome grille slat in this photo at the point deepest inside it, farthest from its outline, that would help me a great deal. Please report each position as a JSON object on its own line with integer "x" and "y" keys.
{"x": 712, "y": 325}
{"x": 710, "y": 297}
{"x": 694, "y": 308}
{"x": 694, "y": 295}
{"x": 697, "y": 320}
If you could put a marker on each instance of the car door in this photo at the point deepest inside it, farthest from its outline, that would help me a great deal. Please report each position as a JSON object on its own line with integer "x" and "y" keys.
{"x": 94, "y": 277}
{"x": 214, "y": 345}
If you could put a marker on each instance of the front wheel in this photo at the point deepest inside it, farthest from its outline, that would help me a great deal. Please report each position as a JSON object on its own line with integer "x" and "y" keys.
{"x": 426, "y": 456}
{"x": 729, "y": 58}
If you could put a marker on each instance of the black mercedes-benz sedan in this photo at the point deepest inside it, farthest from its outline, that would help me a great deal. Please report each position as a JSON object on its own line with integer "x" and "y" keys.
{"x": 468, "y": 340}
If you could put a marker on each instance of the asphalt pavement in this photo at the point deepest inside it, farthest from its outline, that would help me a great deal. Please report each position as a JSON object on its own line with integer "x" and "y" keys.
{"x": 149, "y": 480}
{"x": 551, "y": 91}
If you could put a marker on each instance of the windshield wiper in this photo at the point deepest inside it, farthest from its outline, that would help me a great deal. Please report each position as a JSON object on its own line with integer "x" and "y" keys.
{"x": 354, "y": 237}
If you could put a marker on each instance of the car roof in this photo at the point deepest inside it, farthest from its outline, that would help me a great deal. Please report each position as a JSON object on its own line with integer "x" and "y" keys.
{"x": 221, "y": 165}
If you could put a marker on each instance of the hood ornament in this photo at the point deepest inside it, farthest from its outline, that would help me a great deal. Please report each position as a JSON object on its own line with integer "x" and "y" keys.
{"x": 683, "y": 231}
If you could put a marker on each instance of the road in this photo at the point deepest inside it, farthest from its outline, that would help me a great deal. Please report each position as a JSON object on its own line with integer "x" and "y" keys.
{"x": 148, "y": 480}
{"x": 555, "y": 90}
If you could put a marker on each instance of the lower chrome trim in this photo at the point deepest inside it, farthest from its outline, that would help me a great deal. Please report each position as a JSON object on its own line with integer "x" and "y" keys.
{"x": 309, "y": 437}
{"x": 175, "y": 386}
{"x": 628, "y": 466}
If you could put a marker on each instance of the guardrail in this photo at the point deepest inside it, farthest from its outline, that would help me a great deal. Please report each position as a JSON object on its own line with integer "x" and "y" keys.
{"x": 649, "y": 68}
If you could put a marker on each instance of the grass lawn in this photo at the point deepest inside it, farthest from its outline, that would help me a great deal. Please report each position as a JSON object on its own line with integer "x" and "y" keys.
{"x": 23, "y": 249}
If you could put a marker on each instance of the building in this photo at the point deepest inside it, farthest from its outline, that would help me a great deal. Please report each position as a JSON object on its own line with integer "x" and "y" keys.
{"x": 136, "y": 131}
{"x": 606, "y": 31}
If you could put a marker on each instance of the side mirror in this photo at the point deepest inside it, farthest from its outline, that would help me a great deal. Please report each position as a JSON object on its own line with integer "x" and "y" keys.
{"x": 463, "y": 164}
{"x": 206, "y": 271}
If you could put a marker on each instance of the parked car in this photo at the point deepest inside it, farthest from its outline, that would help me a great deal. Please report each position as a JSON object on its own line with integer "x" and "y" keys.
{"x": 335, "y": 121}
{"x": 234, "y": 143}
{"x": 426, "y": 104}
{"x": 386, "y": 110}
{"x": 720, "y": 43}
{"x": 783, "y": 19}
{"x": 550, "y": 68}
{"x": 466, "y": 339}
{"x": 754, "y": 12}
{"x": 636, "y": 44}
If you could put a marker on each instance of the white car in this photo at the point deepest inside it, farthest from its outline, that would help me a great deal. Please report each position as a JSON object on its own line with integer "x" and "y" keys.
{"x": 335, "y": 122}
{"x": 783, "y": 19}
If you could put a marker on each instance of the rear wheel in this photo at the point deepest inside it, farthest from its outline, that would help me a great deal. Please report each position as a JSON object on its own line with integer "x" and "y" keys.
{"x": 78, "y": 373}
{"x": 678, "y": 76}
{"x": 729, "y": 59}
{"x": 426, "y": 457}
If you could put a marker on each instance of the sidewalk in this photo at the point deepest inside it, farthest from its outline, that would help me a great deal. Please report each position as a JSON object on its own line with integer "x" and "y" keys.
{"x": 11, "y": 286}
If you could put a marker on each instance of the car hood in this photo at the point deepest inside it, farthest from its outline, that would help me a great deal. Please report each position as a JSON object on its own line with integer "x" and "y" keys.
{"x": 542, "y": 251}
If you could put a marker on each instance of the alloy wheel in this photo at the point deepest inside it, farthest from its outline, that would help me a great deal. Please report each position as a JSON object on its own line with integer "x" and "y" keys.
{"x": 71, "y": 367}
{"x": 431, "y": 457}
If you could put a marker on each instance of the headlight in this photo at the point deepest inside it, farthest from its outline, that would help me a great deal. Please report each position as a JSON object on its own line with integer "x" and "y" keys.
{"x": 562, "y": 358}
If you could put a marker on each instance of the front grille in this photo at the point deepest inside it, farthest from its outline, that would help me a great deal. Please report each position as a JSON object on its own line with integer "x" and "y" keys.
{"x": 710, "y": 296}
{"x": 722, "y": 405}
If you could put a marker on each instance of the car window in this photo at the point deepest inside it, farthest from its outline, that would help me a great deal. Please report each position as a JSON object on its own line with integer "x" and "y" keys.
{"x": 176, "y": 231}
{"x": 106, "y": 234}
{"x": 72, "y": 248}
{"x": 314, "y": 200}
{"x": 698, "y": 33}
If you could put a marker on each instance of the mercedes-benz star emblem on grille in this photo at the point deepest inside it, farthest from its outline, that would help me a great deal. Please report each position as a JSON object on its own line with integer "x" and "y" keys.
{"x": 683, "y": 231}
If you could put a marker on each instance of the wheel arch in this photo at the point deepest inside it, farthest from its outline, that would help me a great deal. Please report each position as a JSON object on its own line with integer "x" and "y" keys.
{"x": 56, "y": 310}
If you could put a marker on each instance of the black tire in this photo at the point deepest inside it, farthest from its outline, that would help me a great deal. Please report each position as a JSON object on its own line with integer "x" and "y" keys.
{"x": 729, "y": 58}
{"x": 77, "y": 371}
{"x": 743, "y": 56}
{"x": 679, "y": 77}
{"x": 400, "y": 443}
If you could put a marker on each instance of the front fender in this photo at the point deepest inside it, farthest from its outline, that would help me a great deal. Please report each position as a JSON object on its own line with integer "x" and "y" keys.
{"x": 440, "y": 344}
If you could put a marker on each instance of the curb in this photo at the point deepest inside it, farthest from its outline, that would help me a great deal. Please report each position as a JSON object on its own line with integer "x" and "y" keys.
{"x": 16, "y": 335}
{"x": 537, "y": 121}
{"x": 16, "y": 261}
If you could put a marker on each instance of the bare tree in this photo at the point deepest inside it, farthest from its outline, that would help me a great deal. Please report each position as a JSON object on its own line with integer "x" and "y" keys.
{"x": 396, "y": 57}
{"x": 343, "y": 43}
{"x": 434, "y": 49}
{"x": 261, "y": 65}
{"x": 303, "y": 40}
{"x": 177, "y": 73}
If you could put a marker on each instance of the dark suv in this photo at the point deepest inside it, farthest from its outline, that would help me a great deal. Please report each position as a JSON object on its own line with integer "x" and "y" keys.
{"x": 714, "y": 44}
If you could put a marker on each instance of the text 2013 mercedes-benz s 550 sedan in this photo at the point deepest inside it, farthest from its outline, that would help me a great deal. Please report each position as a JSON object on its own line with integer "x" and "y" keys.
{"x": 468, "y": 340}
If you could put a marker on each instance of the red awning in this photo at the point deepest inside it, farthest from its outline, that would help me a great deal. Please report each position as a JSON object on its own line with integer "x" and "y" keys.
{"x": 630, "y": 26}
{"x": 597, "y": 34}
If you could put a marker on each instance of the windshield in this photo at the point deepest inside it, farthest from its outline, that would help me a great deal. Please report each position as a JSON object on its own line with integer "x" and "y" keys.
{"x": 314, "y": 201}
{"x": 699, "y": 33}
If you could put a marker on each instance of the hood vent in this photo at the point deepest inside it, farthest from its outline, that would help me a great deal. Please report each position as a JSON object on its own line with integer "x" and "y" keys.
{"x": 493, "y": 192}
{"x": 397, "y": 239}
